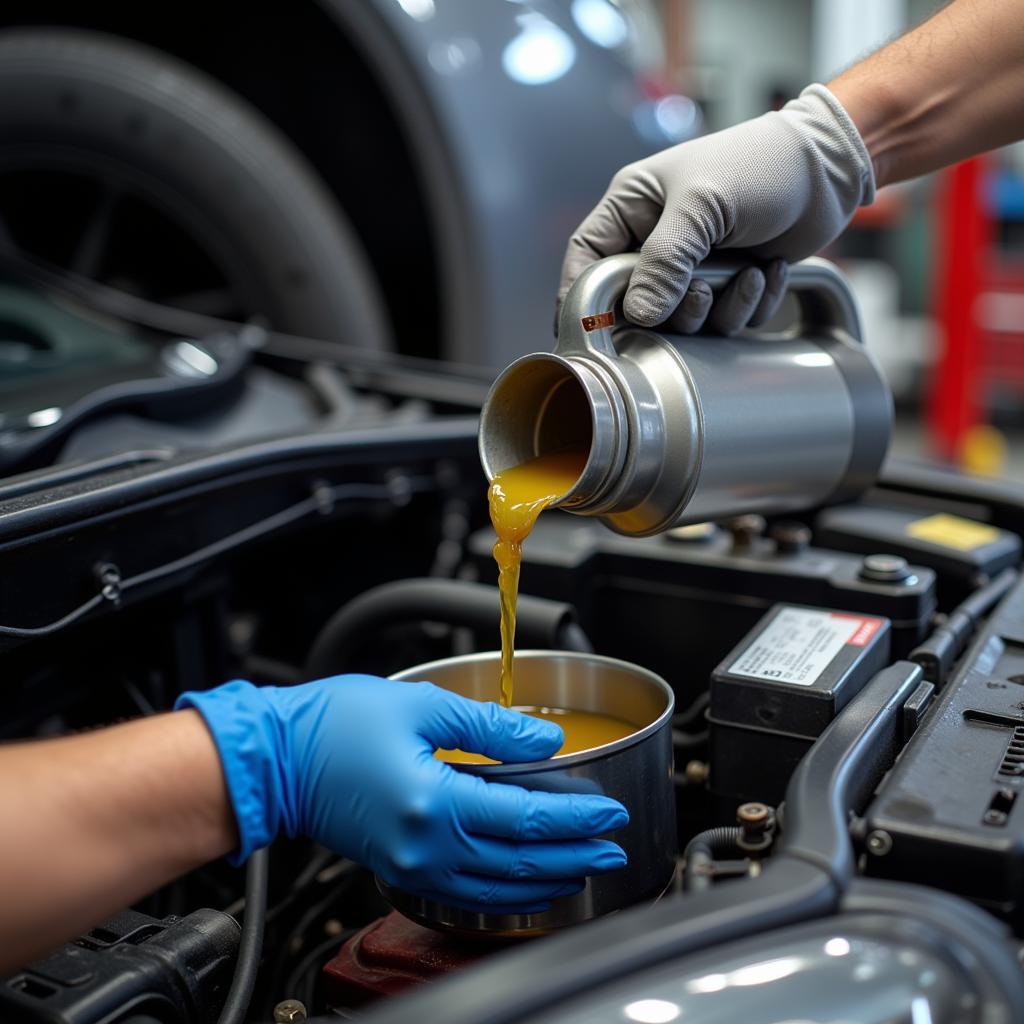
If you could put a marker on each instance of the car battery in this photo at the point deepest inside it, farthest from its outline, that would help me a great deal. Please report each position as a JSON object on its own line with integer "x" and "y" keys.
{"x": 777, "y": 691}
{"x": 701, "y": 588}
{"x": 962, "y": 551}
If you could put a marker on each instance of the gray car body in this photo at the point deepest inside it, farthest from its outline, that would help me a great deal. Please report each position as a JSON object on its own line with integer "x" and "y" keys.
{"x": 509, "y": 167}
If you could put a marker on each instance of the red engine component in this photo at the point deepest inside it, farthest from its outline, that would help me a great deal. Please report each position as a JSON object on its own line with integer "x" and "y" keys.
{"x": 393, "y": 954}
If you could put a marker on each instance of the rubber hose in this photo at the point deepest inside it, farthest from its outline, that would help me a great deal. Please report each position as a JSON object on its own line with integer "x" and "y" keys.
{"x": 540, "y": 622}
{"x": 717, "y": 841}
{"x": 702, "y": 851}
{"x": 250, "y": 947}
{"x": 939, "y": 652}
{"x": 572, "y": 638}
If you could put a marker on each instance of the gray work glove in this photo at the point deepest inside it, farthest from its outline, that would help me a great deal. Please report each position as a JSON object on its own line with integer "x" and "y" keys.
{"x": 778, "y": 188}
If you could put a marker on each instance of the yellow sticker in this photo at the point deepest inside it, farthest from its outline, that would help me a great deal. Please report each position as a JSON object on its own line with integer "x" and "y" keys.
{"x": 952, "y": 532}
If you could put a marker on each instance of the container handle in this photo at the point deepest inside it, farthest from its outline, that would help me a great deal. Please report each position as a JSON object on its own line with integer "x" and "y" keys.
{"x": 588, "y": 313}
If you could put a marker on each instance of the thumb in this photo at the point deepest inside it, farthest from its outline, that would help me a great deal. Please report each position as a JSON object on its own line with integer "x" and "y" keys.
{"x": 488, "y": 729}
{"x": 627, "y": 212}
{"x": 663, "y": 272}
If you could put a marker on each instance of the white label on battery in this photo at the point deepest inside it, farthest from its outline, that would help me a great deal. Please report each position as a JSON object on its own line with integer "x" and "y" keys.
{"x": 800, "y": 643}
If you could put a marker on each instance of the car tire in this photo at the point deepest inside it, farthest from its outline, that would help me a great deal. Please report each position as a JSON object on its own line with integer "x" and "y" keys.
{"x": 86, "y": 103}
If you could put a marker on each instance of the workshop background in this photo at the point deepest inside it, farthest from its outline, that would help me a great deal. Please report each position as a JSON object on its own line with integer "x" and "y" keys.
{"x": 404, "y": 174}
{"x": 936, "y": 263}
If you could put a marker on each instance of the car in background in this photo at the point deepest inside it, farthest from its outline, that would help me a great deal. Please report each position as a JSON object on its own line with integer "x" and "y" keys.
{"x": 394, "y": 174}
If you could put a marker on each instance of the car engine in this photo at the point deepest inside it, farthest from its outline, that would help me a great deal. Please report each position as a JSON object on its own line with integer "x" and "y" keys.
{"x": 849, "y": 691}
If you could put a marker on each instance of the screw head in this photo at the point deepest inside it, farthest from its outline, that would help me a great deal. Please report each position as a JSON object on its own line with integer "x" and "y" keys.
{"x": 753, "y": 814}
{"x": 885, "y": 569}
{"x": 696, "y": 771}
{"x": 289, "y": 1011}
{"x": 993, "y": 817}
{"x": 745, "y": 530}
{"x": 879, "y": 842}
{"x": 791, "y": 537}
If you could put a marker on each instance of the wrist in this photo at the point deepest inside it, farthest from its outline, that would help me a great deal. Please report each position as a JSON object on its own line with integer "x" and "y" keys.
{"x": 205, "y": 828}
{"x": 243, "y": 724}
{"x": 874, "y": 107}
{"x": 835, "y": 139}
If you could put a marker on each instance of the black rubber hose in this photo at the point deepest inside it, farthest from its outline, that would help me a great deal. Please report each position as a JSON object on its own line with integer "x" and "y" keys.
{"x": 250, "y": 947}
{"x": 688, "y": 740}
{"x": 696, "y": 710}
{"x": 540, "y": 622}
{"x": 985, "y": 598}
{"x": 572, "y": 638}
{"x": 719, "y": 842}
{"x": 702, "y": 851}
{"x": 940, "y": 651}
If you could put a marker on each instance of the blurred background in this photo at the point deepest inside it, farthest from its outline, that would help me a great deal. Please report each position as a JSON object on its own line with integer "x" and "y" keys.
{"x": 402, "y": 175}
{"x": 936, "y": 262}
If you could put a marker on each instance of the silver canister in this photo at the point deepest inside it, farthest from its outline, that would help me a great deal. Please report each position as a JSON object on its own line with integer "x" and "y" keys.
{"x": 636, "y": 770}
{"x": 683, "y": 429}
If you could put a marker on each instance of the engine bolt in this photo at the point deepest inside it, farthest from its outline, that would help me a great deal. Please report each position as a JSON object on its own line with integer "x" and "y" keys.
{"x": 758, "y": 822}
{"x": 791, "y": 537}
{"x": 696, "y": 772}
{"x": 289, "y": 1011}
{"x": 753, "y": 814}
{"x": 745, "y": 530}
{"x": 879, "y": 842}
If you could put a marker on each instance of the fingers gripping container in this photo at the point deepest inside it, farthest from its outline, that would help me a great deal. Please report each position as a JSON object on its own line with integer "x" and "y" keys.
{"x": 682, "y": 429}
{"x": 635, "y": 770}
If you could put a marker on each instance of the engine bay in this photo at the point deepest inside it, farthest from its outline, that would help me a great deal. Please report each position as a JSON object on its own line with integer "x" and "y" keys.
{"x": 848, "y": 730}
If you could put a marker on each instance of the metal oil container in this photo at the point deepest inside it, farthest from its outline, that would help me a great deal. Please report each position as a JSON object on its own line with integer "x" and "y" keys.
{"x": 636, "y": 770}
{"x": 683, "y": 429}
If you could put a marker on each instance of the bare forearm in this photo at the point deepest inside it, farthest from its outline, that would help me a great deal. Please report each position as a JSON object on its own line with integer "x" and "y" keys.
{"x": 92, "y": 823}
{"x": 949, "y": 89}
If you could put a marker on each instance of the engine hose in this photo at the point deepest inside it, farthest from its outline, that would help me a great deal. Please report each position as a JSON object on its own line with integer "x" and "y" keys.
{"x": 939, "y": 652}
{"x": 540, "y": 622}
{"x": 688, "y": 740}
{"x": 701, "y": 852}
{"x": 696, "y": 710}
{"x": 250, "y": 947}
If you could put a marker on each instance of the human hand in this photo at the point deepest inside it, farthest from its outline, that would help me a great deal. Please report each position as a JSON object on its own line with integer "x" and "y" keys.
{"x": 349, "y": 761}
{"x": 778, "y": 188}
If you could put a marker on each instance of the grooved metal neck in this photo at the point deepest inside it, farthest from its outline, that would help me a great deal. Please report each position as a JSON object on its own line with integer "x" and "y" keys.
{"x": 543, "y": 403}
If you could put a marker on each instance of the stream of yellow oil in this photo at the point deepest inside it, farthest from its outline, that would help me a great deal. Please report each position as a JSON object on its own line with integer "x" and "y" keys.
{"x": 516, "y": 497}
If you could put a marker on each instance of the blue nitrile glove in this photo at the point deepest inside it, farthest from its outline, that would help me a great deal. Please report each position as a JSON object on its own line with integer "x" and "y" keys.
{"x": 349, "y": 762}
